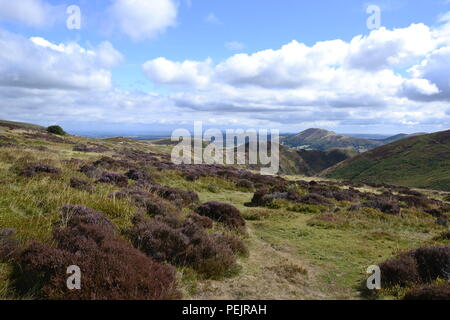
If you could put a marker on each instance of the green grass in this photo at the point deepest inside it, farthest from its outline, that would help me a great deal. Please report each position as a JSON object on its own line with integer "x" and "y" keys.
{"x": 422, "y": 162}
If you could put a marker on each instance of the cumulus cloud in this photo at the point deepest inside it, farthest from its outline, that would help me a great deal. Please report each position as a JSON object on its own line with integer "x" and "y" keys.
{"x": 38, "y": 63}
{"x": 187, "y": 73}
{"x": 34, "y": 13}
{"x": 143, "y": 19}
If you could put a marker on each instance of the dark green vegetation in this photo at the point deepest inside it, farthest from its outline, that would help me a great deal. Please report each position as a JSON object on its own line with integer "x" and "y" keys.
{"x": 421, "y": 162}
{"x": 141, "y": 227}
{"x": 56, "y": 130}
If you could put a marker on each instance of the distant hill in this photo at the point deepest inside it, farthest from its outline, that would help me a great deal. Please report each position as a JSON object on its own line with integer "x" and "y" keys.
{"x": 20, "y": 125}
{"x": 319, "y": 139}
{"x": 421, "y": 161}
{"x": 309, "y": 162}
{"x": 400, "y": 136}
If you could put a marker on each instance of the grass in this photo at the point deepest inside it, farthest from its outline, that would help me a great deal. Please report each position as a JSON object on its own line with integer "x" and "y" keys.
{"x": 422, "y": 162}
{"x": 297, "y": 251}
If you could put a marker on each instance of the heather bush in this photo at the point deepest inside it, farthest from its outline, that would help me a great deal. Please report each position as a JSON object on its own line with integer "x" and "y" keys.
{"x": 259, "y": 197}
{"x": 433, "y": 263}
{"x": 180, "y": 197}
{"x": 117, "y": 179}
{"x": 185, "y": 245}
{"x": 152, "y": 204}
{"x": 245, "y": 183}
{"x": 109, "y": 163}
{"x": 111, "y": 268}
{"x": 401, "y": 270}
{"x": 202, "y": 221}
{"x": 429, "y": 292}
{"x": 80, "y": 184}
{"x": 234, "y": 243}
{"x": 33, "y": 169}
{"x": 90, "y": 171}
{"x": 92, "y": 149}
{"x": 138, "y": 175}
{"x": 314, "y": 199}
{"x": 222, "y": 212}
{"x": 385, "y": 206}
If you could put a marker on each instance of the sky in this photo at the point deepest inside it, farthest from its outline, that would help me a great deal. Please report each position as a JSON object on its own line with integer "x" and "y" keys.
{"x": 152, "y": 66}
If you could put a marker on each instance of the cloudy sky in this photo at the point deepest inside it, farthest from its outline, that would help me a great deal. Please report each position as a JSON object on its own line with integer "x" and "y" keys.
{"x": 137, "y": 66}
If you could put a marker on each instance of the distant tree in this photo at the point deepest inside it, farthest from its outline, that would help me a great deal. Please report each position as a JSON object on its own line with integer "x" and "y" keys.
{"x": 56, "y": 130}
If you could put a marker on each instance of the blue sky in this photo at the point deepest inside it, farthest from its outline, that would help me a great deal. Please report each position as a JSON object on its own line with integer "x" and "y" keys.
{"x": 150, "y": 66}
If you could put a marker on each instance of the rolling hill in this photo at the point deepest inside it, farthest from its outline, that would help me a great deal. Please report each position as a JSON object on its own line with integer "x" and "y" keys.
{"x": 420, "y": 161}
{"x": 319, "y": 139}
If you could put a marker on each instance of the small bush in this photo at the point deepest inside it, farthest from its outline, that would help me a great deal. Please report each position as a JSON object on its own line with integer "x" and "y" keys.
{"x": 34, "y": 169}
{"x": 244, "y": 183}
{"x": 202, "y": 221}
{"x": 401, "y": 271}
{"x": 80, "y": 184}
{"x": 222, "y": 212}
{"x": 111, "y": 268}
{"x": 90, "y": 171}
{"x": 56, "y": 130}
{"x": 433, "y": 263}
{"x": 234, "y": 243}
{"x": 385, "y": 206}
{"x": 117, "y": 179}
{"x": 429, "y": 292}
{"x": 185, "y": 245}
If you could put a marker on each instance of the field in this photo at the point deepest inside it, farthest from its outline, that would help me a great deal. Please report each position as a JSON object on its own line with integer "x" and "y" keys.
{"x": 305, "y": 238}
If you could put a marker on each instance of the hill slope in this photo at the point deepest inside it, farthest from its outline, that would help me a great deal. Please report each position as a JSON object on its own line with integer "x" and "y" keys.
{"x": 421, "y": 161}
{"x": 319, "y": 139}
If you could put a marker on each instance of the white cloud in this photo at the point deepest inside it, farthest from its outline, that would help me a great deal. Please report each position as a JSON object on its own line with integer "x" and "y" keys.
{"x": 38, "y": 63}
{"x": 34, "y": 13}
{"x": 143, "y": 19}
{"x": 187, "y": 73}
{"x": 234, "y": 46}
{"x": 213, "y": 19}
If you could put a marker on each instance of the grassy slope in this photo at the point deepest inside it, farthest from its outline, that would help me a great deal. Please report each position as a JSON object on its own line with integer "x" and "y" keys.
{"x": 292, "y": 254}
{"x": 422, "y": 162}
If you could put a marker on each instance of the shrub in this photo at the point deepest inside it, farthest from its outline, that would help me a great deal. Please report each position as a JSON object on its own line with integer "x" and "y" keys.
{"x": 92, "y": 149}
{"x": 117, "y": 179}
{"x": 429, "y": 292}
{"x": 80, "y": 184}
{"x": 202, "y": 221}
{"x": 90, "y": 171}
{"x": 234, "y": 243}
{"x": 56, "y": 130}
{"x": 244, "y": 183}
{"x": 401, "y": 271}
{"x": 111, "y": 268}
{"x": 433, "y": 262}
{"x": 314, "y": 199}
{"x": 137, "y": 175}
{"x": 385, "y": 206}
{"x": 152, "y": 204}
{"x": 259, "y": 197}
{"x": 179, "y": 197}
{"x": 185, "y": 245}
{"x": 33, "y": 169}
{"x": 222, "y": 212}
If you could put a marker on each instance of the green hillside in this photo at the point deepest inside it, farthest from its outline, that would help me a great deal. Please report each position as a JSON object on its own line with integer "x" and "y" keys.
{"x": 319, "y": 139}
{"x": 422, "y": 161}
